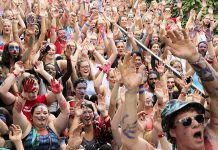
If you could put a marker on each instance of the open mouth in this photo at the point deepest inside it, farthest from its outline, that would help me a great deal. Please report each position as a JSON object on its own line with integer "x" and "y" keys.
{"x": 198, "y": 135}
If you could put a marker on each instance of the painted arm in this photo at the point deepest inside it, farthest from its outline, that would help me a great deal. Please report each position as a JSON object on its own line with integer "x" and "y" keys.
{"x": 131, "y": 80}
{"x": 116, "y": 130}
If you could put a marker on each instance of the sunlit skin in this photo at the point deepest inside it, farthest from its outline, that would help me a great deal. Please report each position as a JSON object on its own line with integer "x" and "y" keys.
{"x": 206, "y": 20}
{"x": 185, "y": 136}
{"x": 8, "y": 14}
{"x": 7, "y": 27}
{"x": 85, "y": 69}
{"x": 40, "y": 116}
{"x": 51, "y": 52}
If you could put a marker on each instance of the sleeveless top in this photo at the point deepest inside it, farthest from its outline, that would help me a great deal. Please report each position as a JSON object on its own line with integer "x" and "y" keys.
{"x": 34, "y": 141}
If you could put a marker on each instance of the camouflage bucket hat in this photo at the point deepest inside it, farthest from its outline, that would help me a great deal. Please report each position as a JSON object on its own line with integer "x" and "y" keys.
{"x": 174, "y": 106}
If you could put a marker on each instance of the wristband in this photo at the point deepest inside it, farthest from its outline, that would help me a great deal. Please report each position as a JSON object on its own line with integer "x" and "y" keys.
{"x": 86, "y": 24}
{"x": 183, "y": 93}
{"x": 161, "y": 135}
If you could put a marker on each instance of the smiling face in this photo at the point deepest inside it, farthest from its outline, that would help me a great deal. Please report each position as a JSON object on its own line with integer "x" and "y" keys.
{"x": 170, "y": 84}
{"x": 188, "y": 137}
{"x": 85, "y": 69}
{"x": 13, "y": 49}
{"x": 50, "y": 68}
{"x": 87, "y": 116}
{"x": 40, "y": 116}
{"x": 155, "y": 48}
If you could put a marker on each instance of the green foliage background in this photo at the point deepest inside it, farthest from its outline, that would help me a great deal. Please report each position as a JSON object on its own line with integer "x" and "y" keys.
{"x": 187, "y": 5}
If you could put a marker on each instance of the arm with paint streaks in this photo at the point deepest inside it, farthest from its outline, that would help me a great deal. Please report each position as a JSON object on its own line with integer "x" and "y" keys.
{"x": 61, "y": 122}
{"x": 131, "y": 80}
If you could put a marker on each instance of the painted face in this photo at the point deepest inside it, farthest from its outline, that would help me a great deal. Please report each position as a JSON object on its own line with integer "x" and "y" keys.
{"x": 202, "y": 49}
{"x": 85, "y": 69}
{"x": 188, "y": 137}
{"x": 138, "y": 62}
{"x": 152, "y": 79}
{"x": 50, "y": 69}
{"x": 80, "y": 90}
{"x": 155, "y": 48}
{"x": 33, "y": 95}
{"x": 170, "y": 84}
{"x": 40, "y": 116}
{"x": 87, "y": 116}
{"x": 13, "y": 49}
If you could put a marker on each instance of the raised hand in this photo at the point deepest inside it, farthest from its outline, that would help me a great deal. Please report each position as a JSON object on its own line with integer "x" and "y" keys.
{"x": 76, "y": 137}
{"x": 38, "y": 67}
{"x": 15, "y": 133}
{"x": 68, "y": 52}
{"x": 29, "y": 86}
{"x": 55, "y": 86}
{"x": 179, "y": 4}
{"x": 127, "y": 69}
{"x": 204, "y": 3}
{"x": 101, "y": 104}
{"x": 19, "y": 68}
{"x": 210, "y": 10}
{"x": 181, "y": 45}
{"x": 160, "y": 68}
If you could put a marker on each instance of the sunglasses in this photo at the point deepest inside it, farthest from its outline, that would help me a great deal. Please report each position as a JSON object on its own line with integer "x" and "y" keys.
{"x": 187, "y": 121}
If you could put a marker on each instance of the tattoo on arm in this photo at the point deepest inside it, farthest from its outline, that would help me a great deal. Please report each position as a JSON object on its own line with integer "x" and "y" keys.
{"x": 205, "y": 73}
{"x": 129, "y": 129}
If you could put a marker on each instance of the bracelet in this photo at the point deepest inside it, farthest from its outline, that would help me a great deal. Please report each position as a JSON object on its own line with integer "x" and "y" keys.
{"x": 87, "y": 24}
{"x": 161, "y": 135}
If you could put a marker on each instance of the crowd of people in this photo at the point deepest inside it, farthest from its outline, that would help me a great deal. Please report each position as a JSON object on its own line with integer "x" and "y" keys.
{"x": 72, "y": 79}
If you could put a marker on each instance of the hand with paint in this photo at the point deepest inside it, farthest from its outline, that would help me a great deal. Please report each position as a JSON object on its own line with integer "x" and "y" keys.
{"x": 29, "y": 85}
{"x": 55, "y": 86}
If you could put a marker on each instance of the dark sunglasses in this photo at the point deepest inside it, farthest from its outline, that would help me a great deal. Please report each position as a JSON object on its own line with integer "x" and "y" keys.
{"x": 187, "y": 121}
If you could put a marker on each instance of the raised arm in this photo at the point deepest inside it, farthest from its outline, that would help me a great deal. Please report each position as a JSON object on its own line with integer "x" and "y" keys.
{"x": 7, "y": 97}
{"x": 129, "y": 123}
{"x": 61, "y": 122}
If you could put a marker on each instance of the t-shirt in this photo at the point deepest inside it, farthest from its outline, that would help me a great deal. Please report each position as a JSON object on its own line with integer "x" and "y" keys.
{"x": 29, "y": 104}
